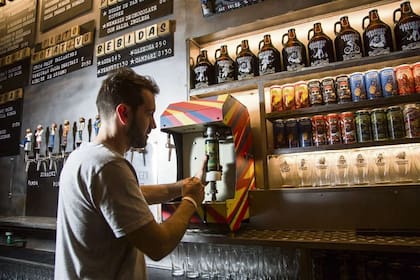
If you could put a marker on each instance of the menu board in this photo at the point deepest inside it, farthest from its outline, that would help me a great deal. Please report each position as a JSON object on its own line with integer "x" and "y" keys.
{"x": 222, "y": 6}
{"x": 11, "y": 105}
{"x": 72, "y": 52}
{"x": 56, "y": 12}
{"x": 149, "y": 44}
{"x": 17, "y": 25}
{"x": 15, "y": 73}
{"x": 126, "y": 14}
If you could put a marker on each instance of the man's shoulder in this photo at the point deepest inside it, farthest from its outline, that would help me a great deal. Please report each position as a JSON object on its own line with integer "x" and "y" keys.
{"x": 94, "y": 154}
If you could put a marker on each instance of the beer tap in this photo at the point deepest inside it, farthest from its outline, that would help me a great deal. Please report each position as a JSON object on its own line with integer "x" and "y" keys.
{"x": 65, "y": 132}
{"x": 213, "y": 169}
{"x": 51, "y": 144}
{"x": 89, "y": 128}
{"x": 97, "y": 124}
{"x": 80, "y": 129}
{"x": 27, "y": 143}
{"x": 74, "y": 134}
{"x": 169, "y": 146}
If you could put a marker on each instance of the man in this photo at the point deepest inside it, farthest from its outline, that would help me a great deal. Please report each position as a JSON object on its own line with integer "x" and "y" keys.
{"x": 104, "y": 225}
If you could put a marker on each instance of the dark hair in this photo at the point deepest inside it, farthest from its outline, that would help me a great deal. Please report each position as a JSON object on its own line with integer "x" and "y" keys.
{"x": 123, "y": 86}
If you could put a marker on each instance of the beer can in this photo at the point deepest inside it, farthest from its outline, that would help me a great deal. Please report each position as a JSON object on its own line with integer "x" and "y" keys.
{"x": 292, "y": 133}
{"x": 318, "y": 130}
{"x": 276, "y": 98}
{"x": 348, "y": 129}
{"x": 411, "y": 114}
{"x": 279, "y": 134}
{"x": 315, "y": 92}
{"x": 373, "y": 84}
{"x": 301, "y": 95}
{"x": 388, "y": 82}
{"x": 363, "y": 126}
{"x": 343, "y": 89}
{"x": 357, "y": 87}
{"x": 288, "y": 95}
{"x": 415, "y": 68}
{"x": 405, "y": 79}
{"x": 332, "y": 123}
{"x": 305, "y": 132}
{"x": 329, "y": 94}
{"x": 396, "y": 129}
{"x": 379, "y": 123}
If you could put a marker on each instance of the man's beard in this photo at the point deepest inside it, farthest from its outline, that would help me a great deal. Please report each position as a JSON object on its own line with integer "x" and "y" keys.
{"x": 137, "y": 139}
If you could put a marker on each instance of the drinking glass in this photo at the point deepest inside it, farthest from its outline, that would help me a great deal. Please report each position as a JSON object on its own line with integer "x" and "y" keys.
{"x": 177, "y": 257}
{"x": 192, "y": 261}
{"x": 360, "y": 167}
{"x": 322, "y": 170}
{"x": 401, "y": 165}
{"x": 287, "y": 171}
{"x": 415, "y": 162}
{"x": 304, "y": 170}
{"x": 341, "y": 170}
{"x": 380, "y": 162}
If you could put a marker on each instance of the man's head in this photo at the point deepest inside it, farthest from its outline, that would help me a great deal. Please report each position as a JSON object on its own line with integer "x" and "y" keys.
{"x": 129, "y": 98}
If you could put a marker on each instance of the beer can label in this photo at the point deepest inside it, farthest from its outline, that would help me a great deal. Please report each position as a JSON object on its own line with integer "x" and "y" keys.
{"x": 328, "y": 91}
{"x": 343, "y": 89}
{"x": 395, "y": 118}
{"x": 333, "y": 129}
{"x": 373, "y": 84}
{"x": 301, "y": 95}
{"x": 379, "y": 123}
{"x": 318, "y": 130}
{"x": 348, "y": 129}
{"x": 315, "y": 93}
{"x": 357, "y": 87}
{"x": 305, "y": 132}
{"x": 278, "y": 134}
{"x": 412, "y": 120}
{"x": 416, "y": 74}
{"x": 388, "y": 82}
{"x": 288, "y": 95}
{"x": 363, "y": 126}
{"x": 405, "y": 79}
{"x": 276, "y": 99}
{"x": 291, "y": 128}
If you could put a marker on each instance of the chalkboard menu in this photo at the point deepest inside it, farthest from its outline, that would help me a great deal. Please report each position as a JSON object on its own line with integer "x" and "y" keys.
{"x": 222, "y": 6}
{"x": 63, "y": 53}
{"x": 125, "y": 14}
{"x": 55, "y": 12}
{"x": 149, "y": 44}
{"x": 17, "y": 25}
{"x": 42, "y": 189}
{"x": 11, "y": 104}
{"x": 14, "y": 71}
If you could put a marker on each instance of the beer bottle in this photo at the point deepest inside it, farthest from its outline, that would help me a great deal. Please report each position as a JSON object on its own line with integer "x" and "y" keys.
{"x": 246, "y": 61}
{"x": 224, "y": 65}
{"x": 407, "y": 28}
{"x": 377, "y": 36}
{"x": 320, "y": 47}
{"x": 268, "y": 56}
{"x": 348, "y": 43}
{"x": 294, "y": 52}
{"x": 203, "y": 71}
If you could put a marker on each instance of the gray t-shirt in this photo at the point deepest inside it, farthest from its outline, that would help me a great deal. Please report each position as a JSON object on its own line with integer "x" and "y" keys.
{"x": 99, "y": 203}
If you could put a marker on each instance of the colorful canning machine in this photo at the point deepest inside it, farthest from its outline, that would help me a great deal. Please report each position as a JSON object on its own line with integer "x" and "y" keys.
{"x": 219, "y": 127}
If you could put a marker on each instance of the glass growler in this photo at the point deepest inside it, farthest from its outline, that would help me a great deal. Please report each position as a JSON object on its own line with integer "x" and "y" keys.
{"x": 407, "y": 28}
{"x": 377, "y": 36}
{"x": 294, "y": 52}
{"x": 268, "y": 56}
{"x": 320, "y": 47}
{"x": 246, "y": 61}
{"x": 224, "y": 66}
{"x": 203, "y": 71}
{"x": 348, "y": 43}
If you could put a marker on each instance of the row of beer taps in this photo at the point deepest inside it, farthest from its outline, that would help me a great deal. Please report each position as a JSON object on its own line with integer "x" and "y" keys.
{"x": 33, "y": 142}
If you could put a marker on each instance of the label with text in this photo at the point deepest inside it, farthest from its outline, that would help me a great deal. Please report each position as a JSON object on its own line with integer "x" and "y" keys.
{"x": 11, "y": 105}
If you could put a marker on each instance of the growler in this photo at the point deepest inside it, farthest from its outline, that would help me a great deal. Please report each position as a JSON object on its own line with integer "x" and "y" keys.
{"x": 192, "y": 73}
{"x": 246, "y": 61}
{"x": 203, "y": 71}
{"x": 348, "y": 43}
{"x": 268, "y": 56}
{"x": 407, "y": 28}
{"x": 377, "y": 36}
{"x": 224, "y": 66}
{"x": 294, "y": 52}
{"x": 320, "y": 47}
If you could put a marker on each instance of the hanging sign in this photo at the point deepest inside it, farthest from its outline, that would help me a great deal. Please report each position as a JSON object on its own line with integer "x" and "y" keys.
{"x": 17, "y": 25}
{"x": 14, "y": 69}
{"x": 222, "y": 6}
{"x": 11, "y": 104}
{"x": 145, "y": 45}
{"x": 119, "y": 15}
{"x": 55, "y": 12}
{"x": 63, "y": 53}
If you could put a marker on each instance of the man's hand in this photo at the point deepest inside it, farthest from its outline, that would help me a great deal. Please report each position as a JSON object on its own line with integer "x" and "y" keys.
{"x": 201, "y": 173}
{"x": 193, "y": 188}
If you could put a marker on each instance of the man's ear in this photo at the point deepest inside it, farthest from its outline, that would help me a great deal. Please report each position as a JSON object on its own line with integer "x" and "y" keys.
{"x": 122, "y": 113}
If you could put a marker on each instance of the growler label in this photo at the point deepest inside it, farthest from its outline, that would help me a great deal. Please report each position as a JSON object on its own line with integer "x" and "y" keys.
{"x": 318, "y": 52}
{"x": 245, "y": 70}
{"x": 294, "y": 60}
{"x": 377, "y": 42}
{"x": 201, "y": 76}
{"x": 410, "y": 35}
{"x": 225, "y": 71}
{"x": 351, "y": 46}
{"x": 267, "y": 61}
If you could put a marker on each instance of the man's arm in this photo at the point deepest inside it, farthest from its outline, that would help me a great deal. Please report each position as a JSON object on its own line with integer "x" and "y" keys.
{"x": 155, "y": 194}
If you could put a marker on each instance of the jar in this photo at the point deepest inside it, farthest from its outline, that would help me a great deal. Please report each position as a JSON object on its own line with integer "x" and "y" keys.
{"x": 406, "y": 27}
{"x": 268, "y": 57}
{"x": 377, "y": 35}
{"x": 348, "y": 43}
{"x": 246, "y": 62}
{"x": 320, "y": 47}
{"x": 224, "y": 66}
{"x": 294, "y": 52}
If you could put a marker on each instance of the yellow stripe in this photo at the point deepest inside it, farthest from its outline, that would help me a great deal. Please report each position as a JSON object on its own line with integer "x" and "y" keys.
{"x": 212, "y": 104}
{"x": 181, "y": 117}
